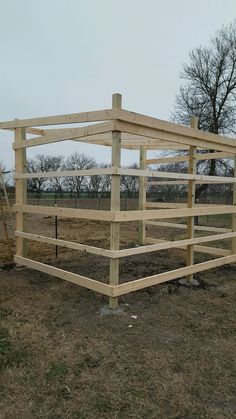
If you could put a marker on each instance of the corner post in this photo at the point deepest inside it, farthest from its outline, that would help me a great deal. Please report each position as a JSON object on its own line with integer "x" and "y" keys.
{"x": 142, "y": 194}
{"x": 115, "y": 202}
{"x": 234, "y": 215}
{"x": 191, "y": 200}
{"x": 20, "y": 191}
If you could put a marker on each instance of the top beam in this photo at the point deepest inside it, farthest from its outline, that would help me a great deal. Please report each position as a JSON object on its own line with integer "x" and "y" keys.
{"x": 102, "y": 115}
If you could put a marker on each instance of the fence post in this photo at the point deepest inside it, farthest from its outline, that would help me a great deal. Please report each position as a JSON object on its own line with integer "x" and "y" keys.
{"x": 234, "y": 215}
{"x": 142, "y": 194}
{"x": 191, "y": 201}
{"x": 115, "y": 203}
{"x": 21, "y": 191}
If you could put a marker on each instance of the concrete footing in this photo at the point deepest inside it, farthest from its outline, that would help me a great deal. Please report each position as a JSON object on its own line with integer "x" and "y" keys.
{"x": 107, "y": 311}
{"x": 193, "y": 283}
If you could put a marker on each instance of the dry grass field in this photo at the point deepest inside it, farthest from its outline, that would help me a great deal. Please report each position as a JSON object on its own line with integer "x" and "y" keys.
{"x": 171, "y": 354}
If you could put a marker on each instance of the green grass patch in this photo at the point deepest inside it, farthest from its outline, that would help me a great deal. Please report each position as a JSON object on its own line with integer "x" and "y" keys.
{"x": 5, "y": 312}
{"x": 57, "y": 369}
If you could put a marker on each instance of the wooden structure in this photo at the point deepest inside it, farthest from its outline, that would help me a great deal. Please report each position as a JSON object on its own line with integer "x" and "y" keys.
{"x": 118, "y": 128}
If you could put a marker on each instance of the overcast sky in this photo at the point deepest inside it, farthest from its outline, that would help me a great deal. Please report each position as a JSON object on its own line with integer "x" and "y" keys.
{"x": 67, "y": 56}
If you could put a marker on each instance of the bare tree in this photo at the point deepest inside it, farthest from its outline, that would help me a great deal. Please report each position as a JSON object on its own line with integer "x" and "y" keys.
{"x": 130, "y": 184}
{"x": 210, "y": 91}
{"x": 105, "y": 182}
{"x": 40, "y": 163}
{"x": 77, "y": 162}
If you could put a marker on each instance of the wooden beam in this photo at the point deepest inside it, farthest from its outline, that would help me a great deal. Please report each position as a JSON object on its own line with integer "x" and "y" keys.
{"x": 165, "y": 205}
{"x": 171, "y": 128}
{"x": 184, "y": 226}
{"x": 65, "y": 212}
{"x": 123, "y": 216}
{"x": 94, "y": 116}
{"x": 217, "y": 144}
{"x": 150, "y": 281}
{"x": 20, "y": 191}
{"x": 115, "y": 202}
{"x": 234, "y": 215}
{"x": 178, "y": 159}
{"x": 64, "y": 243}
{"x": 142, "y": 194}
{"x": 67, "y": 173}
{"x": 71, "y": 134}
{"x": 191, "y": 201}
{"x": 83, "y": 281}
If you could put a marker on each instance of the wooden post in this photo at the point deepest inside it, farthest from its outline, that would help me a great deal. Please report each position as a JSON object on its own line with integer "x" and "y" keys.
{"x": 191, "y": 200}
{"x": 142, "y": 194}
{"x": 115, "y": 202}
{"x": 234, "y": 215}
{"x": 20, "y": 191}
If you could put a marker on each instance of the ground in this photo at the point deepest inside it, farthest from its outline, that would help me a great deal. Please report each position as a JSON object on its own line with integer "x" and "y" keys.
{"x": 171, "y": 354}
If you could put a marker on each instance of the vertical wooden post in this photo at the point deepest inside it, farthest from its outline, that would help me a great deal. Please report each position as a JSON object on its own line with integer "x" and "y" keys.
{"x": 191, "y": 201}
{"x": 142, "y": 194}
{"x": 234, "y": 215}
{"x": 115, "y": 202}
{"x": 20, "y": 191}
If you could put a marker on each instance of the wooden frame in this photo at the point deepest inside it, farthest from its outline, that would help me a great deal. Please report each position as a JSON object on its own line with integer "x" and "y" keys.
{"x": 118, "y": 128}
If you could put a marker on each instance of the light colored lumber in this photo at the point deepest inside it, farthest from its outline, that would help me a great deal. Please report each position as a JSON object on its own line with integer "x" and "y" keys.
{"x": 172, "y": 128}
{"x": 185, "y": 158}
{"x": 93, "y": 116}
{"x": 67, "y": 173}
{"x": 234, "y": 215}
{"x": 176, "y": 175}
{"x": 20, "y": 191}
{"x": 65, "y": 212}
{"x": 219, "y": 145}
{"x": 184, "y": 182}
{"x": 165, "y": 205}
{"x": 122, "y": 216}
{"x": 165, "y": 245}
{"x": 192, "y": 169}
{"x": 150, "y": 281}
{"x": 80, "y": 280}
{"x": 115, "y": 203}
{"x": 142, "y": 193}
{"x": 64, "y": 243}
{"x": 184, "y": 226}
{"x": 72, "y": 133}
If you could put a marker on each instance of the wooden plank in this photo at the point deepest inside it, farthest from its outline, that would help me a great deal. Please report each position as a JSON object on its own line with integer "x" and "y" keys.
{"x": 67, "y": 173}
{"x": 150, "y": 281}
{"x": 218, "y": 145}
{"x": 80, "y": 280}
{"x": 234, "y": 215}
{"x": 172, "y": 128}
{"x": 165, "y": 205}
{"x": 176, "y": 175}
{"x": 65, "y": 212}
{"x": 142, "y": 194}
{"x": 20, "y": 191}
{"x": 115, "y": 202}
{"x": 101, "y": 115}
{"x": 165, "y": 245}
{"x": 184, "y": 226}
{"x": 123, "y": 216}
{"x": 71, "y": 134}
{"x": 64, "y": 243}
{"x": 178, "y": 159}
{"x": 192, "y": 169}
{"x": 183, "y": 182}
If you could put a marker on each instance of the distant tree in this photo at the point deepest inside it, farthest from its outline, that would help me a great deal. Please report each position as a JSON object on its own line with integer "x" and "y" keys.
{"x": 209, "y": 91}
{"x": 40, "y": 163}
{"x": 105, "y": 182}
{"x": 130, "y": 184}
{"x": 77, "y": 162}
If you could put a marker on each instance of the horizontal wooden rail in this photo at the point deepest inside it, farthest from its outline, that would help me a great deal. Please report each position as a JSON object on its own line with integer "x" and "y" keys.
{"x": 64, "y": 243}
{"x": 179, "y": 159}
{"x": 71, "y": 134}
{"x": 183, "y": 182}
{"x": 123, "y": 216}
{"x": 67, "y": 173}
{"x": 229, "y": 146}
{"x": 150, "y": 281}
{"x": 66, "y": 212}
{"x": 173, "y": 175}
{"x": 172, "y": 128}
{"x": 83, "y": 281}
{"x": 184, "y": 226}
{"x": 102, "y": 115}
{"x": 216, "y": 251}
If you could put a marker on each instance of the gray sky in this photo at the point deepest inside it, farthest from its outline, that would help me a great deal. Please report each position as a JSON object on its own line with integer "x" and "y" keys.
{"x": 67, "y": 56}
